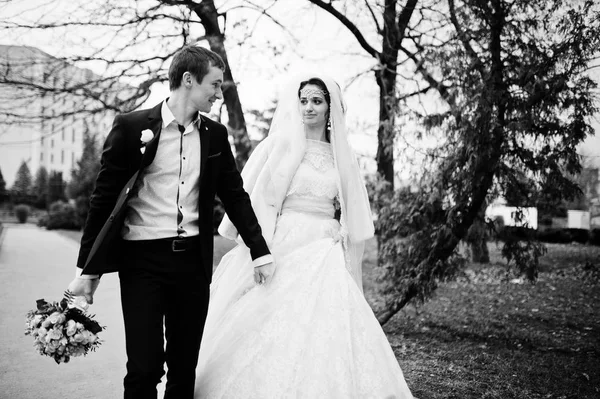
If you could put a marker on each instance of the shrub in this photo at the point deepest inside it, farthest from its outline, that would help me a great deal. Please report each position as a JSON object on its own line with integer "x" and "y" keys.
{"x": 564, "y": 236}
{"x": 82, "y": 207}
{"x": 548, "y": 235}
{"x": 545, "y": 220}
{"x": 555, "y": 236}
{"x": 514, "y": 233}
{"x": 595, "y": 237}
{"x": 62, "y": 216}
{"x": 42, "y": 221}
{"x": 579, "y": 235}
{"x": 22, "y": 212}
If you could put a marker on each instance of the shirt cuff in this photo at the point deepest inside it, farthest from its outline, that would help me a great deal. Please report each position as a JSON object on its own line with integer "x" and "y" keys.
{"x": 263, "y": 260}
{"x": 85, "y": 276}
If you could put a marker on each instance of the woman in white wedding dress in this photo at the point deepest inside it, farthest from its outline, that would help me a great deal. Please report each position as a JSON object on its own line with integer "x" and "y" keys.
{"x": 308, "y": 332}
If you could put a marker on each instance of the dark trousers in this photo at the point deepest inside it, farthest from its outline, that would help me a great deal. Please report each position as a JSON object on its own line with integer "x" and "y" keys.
{"x": 164, "y": 295}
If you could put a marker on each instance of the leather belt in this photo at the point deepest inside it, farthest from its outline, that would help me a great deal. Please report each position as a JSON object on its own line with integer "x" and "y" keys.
{"x": 171, "y": 244}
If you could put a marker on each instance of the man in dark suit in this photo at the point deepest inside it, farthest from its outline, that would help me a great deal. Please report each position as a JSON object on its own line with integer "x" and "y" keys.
{"x": 151, "y": 219}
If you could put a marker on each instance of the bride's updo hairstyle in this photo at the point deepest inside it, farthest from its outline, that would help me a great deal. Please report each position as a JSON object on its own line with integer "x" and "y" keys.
{"x": 322, "y": 86}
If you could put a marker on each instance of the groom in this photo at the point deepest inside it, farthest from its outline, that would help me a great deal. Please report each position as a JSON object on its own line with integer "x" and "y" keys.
{"x": 151, "y": 219}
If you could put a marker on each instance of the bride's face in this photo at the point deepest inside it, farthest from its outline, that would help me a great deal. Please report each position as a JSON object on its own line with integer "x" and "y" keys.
{"x": 313, "y": 106}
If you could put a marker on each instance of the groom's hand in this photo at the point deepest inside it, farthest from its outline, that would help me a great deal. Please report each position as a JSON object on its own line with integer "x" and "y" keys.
{"x": 264, "y": 273}
{"x": 84, "y": 287}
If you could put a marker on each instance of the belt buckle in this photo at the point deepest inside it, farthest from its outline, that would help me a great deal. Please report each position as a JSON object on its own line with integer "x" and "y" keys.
{"x": 174, "y": 244}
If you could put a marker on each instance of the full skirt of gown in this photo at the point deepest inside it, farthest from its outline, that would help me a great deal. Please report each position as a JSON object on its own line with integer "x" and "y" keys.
{"x": 308, "y": 333}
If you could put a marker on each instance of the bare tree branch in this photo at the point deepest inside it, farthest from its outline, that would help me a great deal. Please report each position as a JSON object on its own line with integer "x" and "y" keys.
{"x": 404, "y": 18}
{"x": 415, "y": 93}
{"x": 465, "y": 40}
{"x": 379, "y": 29}
{"x": 349, "y": 25}
{"x": 419, "y": 66}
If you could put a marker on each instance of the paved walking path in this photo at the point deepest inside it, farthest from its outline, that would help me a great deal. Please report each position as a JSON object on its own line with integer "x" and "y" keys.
{"x": 36, "y": 263}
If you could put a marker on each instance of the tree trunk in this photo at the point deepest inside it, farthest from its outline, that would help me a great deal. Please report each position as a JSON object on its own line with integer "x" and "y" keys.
{"x": 477, "y": 237}
{"x": 209, "y": 17}
{"x": 386, "y": 80}
{"x": 479, "y": 250}
{"x": 385, "y": 132}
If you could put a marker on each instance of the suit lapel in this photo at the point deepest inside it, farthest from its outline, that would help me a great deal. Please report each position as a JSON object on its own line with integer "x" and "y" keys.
{"x": 155, "y": 124}
{"x": 204, "y": 145}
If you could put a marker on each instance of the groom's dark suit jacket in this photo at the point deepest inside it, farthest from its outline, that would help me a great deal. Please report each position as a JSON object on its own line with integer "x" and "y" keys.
{"x": 122, "y": 161}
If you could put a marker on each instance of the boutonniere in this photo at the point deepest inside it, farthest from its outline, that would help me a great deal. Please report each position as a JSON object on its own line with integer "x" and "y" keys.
{"x": 145, "y": 138}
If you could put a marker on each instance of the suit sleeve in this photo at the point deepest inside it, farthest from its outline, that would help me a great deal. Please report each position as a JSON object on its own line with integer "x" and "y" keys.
{"x": 109, "y": 182}
{"x": 237, "y": 203}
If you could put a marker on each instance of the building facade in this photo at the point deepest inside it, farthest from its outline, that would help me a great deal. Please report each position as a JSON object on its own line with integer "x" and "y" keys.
{"x": 45, "y": 110}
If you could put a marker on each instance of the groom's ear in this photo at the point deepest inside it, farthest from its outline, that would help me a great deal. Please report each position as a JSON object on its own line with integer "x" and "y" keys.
{"x": 187, "y": 79}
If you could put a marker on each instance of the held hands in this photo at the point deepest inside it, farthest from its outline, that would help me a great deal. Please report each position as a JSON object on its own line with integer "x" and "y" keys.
{"x": 263, "y": 274}
{"x": 336, "y": 234}
{"x": 84, "y": 287}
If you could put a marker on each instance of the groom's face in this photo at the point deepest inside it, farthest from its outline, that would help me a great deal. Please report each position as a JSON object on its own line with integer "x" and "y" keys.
{"x": 205, "y": 93}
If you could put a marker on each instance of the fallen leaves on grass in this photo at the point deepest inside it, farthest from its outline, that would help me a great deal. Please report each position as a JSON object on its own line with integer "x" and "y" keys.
{"x": 490, "y": 335}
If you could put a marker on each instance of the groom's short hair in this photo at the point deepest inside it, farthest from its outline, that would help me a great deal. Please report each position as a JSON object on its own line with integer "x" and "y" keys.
{"x": 195, "y": 60}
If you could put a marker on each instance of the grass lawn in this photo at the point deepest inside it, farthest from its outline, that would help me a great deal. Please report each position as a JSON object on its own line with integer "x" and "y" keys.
{"x": 484, "y": 336}
{"x": 487, "y": 336}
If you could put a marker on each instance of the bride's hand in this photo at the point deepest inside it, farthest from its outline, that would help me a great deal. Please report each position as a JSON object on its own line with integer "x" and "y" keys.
{"x": 337, "y": 238}
{"x": 263, "y": 274}
{"x": 335, "y": 234}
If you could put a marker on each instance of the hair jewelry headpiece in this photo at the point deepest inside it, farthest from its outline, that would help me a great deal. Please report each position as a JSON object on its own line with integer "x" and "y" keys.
{"x": 307, "y": 92}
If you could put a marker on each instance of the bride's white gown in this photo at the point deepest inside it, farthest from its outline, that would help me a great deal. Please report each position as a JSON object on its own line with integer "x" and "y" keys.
{"x": 309, "y": 333}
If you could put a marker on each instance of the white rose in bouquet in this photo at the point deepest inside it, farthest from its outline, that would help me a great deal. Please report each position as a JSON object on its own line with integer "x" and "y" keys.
{"x": 55, "y": 333}
{"x": 71, "y": 327}
{"x": 42, "y": 332}
{"x": 35, "y": 322}
{"x": 57, "y": 318}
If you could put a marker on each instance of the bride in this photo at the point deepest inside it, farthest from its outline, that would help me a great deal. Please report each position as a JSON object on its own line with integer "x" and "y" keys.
{"x": 308, "y": 332}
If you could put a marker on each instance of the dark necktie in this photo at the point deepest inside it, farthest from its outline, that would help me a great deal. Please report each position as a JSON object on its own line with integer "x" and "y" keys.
{"x": 179, "y": 214}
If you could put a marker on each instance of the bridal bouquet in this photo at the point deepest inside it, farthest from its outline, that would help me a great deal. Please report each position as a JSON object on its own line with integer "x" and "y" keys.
{"x": 61, "y": 330}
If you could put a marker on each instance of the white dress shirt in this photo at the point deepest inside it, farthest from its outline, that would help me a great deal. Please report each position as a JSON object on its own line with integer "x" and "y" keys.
{"x": 169, "y": 185}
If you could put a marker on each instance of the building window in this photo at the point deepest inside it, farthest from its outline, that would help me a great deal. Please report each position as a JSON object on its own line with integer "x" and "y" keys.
{"x": 73, "y": 134}
{"x": 62, "y": 157}
{"x": 72, "y": 159}
{"x": 51, "y": 158}
{"x": 51, "y": 143}
{"x": 62, "y": 133}
{"x": 41, "y": 156}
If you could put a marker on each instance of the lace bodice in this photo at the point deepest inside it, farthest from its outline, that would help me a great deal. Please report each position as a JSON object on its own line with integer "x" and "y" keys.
{"x": 316, "y": 176}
